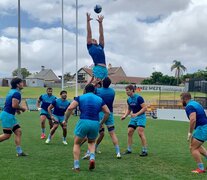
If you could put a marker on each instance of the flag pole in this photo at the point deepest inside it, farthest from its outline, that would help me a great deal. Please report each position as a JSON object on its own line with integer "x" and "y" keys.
{"x": 62, "y": 83}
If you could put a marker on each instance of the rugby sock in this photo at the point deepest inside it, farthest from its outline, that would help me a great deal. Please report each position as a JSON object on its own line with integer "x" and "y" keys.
{"x": 64, "y": 138}
{"x": 43, "y": 130}
{"x": 92, "y": 156}
{"x": 201, "y": 166}
{"x": 144, "y": 149}
{"x": 76, "y": 164}
{"x": 19, "y": 149}
{"x": 49, "y": 136}
{"x": 117, "y": 149}
{"x": 88, "y": 152}
{"x": 129, "y": 148}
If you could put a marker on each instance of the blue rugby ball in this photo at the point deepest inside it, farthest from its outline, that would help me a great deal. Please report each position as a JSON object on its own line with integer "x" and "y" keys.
{"x": 97, "y": 8}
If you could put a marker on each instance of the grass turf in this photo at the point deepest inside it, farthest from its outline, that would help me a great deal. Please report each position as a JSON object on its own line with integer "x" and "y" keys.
{"x": 169, "y": 157}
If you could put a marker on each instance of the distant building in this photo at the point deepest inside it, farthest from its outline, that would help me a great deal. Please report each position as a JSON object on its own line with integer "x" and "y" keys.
{"x": 46, "y": 77}
{"x": 116, "y": 74}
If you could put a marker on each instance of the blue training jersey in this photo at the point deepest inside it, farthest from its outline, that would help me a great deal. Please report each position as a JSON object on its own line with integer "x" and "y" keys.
{"x": 13, "y": 93}
{"x": 60, "y": 106}
{"x": 46, "y": 101}
{"x": 90, "y": 105}
{"x": 194, "y": 106}
{"x": 107, "y": 94}
{"x": 135, "y": 102}
{"x": 97, "y": 53}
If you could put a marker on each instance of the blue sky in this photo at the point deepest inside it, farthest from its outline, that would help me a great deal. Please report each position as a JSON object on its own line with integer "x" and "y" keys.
{"x": 140, "y": 36}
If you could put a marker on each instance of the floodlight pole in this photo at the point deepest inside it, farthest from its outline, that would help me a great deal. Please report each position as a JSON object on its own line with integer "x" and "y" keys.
{"x": 19, "y": 42}
{"x": 76, "y": 92}
{"x": 62, "y": 84}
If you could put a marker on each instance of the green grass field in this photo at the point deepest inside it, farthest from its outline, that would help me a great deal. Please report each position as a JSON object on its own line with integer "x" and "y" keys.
{"x": 169, "y": 156}
{"x": 35, "y": 92}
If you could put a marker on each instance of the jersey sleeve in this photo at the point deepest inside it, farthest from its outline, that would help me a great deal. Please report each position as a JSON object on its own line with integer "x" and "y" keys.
{"x": 40, "y": 98}
{"x": 190, "y": 109}
{"x": 128, "y": 104}
{"x": 140, "y": 100}
{"x": 101, "y": 46}
{"x": 89, "y": 46}
{"x": 54, "y": 103}
{"x": 77, "y": 99}
{"x": 17, "y": 95}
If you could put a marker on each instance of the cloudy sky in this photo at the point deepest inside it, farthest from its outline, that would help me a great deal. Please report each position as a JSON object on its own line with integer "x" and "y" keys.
{"x": 142, "y": 36}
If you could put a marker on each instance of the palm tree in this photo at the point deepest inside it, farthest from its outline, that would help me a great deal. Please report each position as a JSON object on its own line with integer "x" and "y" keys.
{"x": 179, "y": 69}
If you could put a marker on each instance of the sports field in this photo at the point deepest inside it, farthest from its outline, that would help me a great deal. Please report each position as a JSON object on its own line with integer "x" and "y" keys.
{"x": 169, "y": 157}
{"x": 35, "y": 92}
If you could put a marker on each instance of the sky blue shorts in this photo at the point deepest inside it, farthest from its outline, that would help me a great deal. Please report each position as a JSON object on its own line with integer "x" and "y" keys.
{"x": 58, "y": 119}
{"x": 8, "y": 120}
{"x": 138, "y": 121}
{"x": 109, "y": 121}
{"x": 87, "y": 128}
{"x": 200, "y": 133}
{"x": 43, "y": 112}
{"x": 100, "y": 72}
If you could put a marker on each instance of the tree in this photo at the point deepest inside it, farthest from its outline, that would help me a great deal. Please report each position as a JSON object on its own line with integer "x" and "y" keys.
{"x": 179, "y": 69}
{"x": 157, "y": 78}
{"x": 68, "y": 76}
{"x": 24, "y": 72}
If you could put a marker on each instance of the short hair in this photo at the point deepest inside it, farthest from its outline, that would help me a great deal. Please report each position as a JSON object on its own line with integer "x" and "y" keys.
{"x": 49, "y": 88}
{"x": 89, "y": 88}
{"x": 130, "y": 87}
{"x": 15, "y": 81}
{"x": 63, "y": 91}
{"x": 106, "y": 82}
{"x": 185, "y": 95}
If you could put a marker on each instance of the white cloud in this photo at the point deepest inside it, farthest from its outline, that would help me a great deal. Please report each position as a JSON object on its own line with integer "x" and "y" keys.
{"x": 139, "y": 47}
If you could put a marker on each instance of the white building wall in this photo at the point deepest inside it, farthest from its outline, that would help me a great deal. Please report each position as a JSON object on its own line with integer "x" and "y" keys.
{"x": 172, "y": 114}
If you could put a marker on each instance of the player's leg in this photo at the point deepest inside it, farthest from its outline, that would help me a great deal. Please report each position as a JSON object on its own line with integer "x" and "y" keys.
{"x": 87, "y": 154}
{"x": 92, "y": 133}
{"x": 111, "y": 130}
{"x": 52, "y": 132}
{"x": 42, "y": 124}
{"x": 131, "y": 129}
{"x": 100, "y": 138}
{"x": 6, "y": 134}
{"x": 141, "y": 123}
{"x": 91, "y": 148}
{"x": 17, "y": 138}
{"x": 203, "y": 151}
{"x": 142, "y": 136}
{"x": 196, "y": 148}
{"x": 64, "y": 128}
{"x": 50, "y": 122}
{"x": 76, "y": 152}
{"x": 195, "y": 151}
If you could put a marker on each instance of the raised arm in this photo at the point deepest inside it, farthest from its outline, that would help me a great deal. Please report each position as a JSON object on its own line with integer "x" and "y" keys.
{"x": 89, "y": 32}
{"x": 101, "y": 33}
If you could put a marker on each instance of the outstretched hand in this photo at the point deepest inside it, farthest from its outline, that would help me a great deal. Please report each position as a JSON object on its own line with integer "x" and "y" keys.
{"x": 100, "y": 18}
{"x": 88, "y": 15}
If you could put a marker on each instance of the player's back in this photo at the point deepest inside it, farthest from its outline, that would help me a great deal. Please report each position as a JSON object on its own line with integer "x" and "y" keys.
{"x": 108, "y": 95}
{"x": 90, "y": 105}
